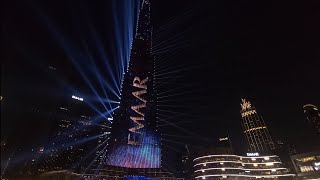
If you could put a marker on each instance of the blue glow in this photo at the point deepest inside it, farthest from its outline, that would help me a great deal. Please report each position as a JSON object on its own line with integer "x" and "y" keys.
{"x": 133, "y": 156}
{"x": 107, "y": 92}
{"x": 103, "y": 80}
{"x": 135, "y": 177}
{"x": 125, "y": 17}
{"x": 64, "y": 146}
{"x": 135, "y": 146}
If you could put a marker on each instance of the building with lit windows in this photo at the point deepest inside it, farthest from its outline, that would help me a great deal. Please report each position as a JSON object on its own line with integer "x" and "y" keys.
{"x": 255, "y": 129}
{"x": 223, "y": 164}
{"x": 134, "y": 150}
{"x": 135, "y": 140}
{"x": 307, "y": 165}
{"x": 313, "y": 117}
{"x": 73, "y": 137}
{"x": 102, "y": 141}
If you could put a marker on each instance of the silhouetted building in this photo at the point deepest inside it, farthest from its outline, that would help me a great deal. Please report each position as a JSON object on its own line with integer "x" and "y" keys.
{"x": 284, "y": 150}
{"x": 255, "y": 129}
{"x": 73, "y": 138}
{"x": 19, "y": 162}
{"x": 185, "y": 165}
{"x": 307, "y": 165}
{"x": 102, "y": 144}
{"x": 313, "y": 117}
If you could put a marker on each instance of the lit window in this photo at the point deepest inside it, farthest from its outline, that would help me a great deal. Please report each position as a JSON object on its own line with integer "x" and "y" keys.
{"x": 266, "y": 158}
{"x": 203, "y": 177}
{"x": 223, "y": 169}
{"x": 273, "y": 170}
{"x": 269, "y": 164}
{"x": 253, "y": 159}
{"x": 221, "y": 163}
{"x": 204, "y": 164}
{"x": 306, "y": 168}
{"x": 202, "y": 170}
{"x": 306, "y": 159}
{"x": 255, "y": 165}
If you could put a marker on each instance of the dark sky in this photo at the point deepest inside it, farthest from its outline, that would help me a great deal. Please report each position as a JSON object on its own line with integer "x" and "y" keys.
{"x": 265, "y": 51}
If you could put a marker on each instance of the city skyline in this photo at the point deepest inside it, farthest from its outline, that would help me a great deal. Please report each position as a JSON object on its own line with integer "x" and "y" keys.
{"x": 205, "y": 59}
{"x": 265, "y": 103}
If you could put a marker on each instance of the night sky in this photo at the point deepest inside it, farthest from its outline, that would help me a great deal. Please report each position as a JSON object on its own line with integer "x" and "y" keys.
{"x": 267, "y": 52}
{"x": 264, "y": 51}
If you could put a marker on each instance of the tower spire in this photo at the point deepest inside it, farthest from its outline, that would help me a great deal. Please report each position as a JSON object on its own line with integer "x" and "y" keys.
{"x": 144, "y": 24}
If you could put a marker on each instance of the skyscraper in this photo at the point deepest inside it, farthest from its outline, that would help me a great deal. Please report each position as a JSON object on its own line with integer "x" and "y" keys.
{"x": 313, "y": 116}
{"x": 255, "y": 129}
{"x": 135, "y": 141}
{"x": 73, "y": 137}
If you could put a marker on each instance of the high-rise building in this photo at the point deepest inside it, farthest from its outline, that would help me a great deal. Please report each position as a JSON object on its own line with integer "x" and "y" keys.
{"x": 284, "y": 150}
{"x": 313, "y": 116}
{"x": 99, "y": 159}
{"x": 307, "y": 165}
{"x": 255, "y": 129}
{"x": 135, "y": 140}
{"x": 185, "y": 167}
{"x": 73, "y": 137}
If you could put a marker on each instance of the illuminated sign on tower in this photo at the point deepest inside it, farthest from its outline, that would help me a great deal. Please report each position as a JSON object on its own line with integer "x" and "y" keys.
{"x": 135, "y": 136}
{"x": 135, "y": 140}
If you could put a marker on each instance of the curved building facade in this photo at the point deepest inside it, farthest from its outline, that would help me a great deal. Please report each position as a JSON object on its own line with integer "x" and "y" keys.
{"x": 307, "y": 165}
{"x": 230, "y": 166}
{"x": 313, "y": 116}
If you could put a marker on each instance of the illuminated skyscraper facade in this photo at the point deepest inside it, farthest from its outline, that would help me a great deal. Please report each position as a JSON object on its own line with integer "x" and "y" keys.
{"x": 135, "y": 141}
{"x": 255, "y": 129}
{"x": 313, "y": 116}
